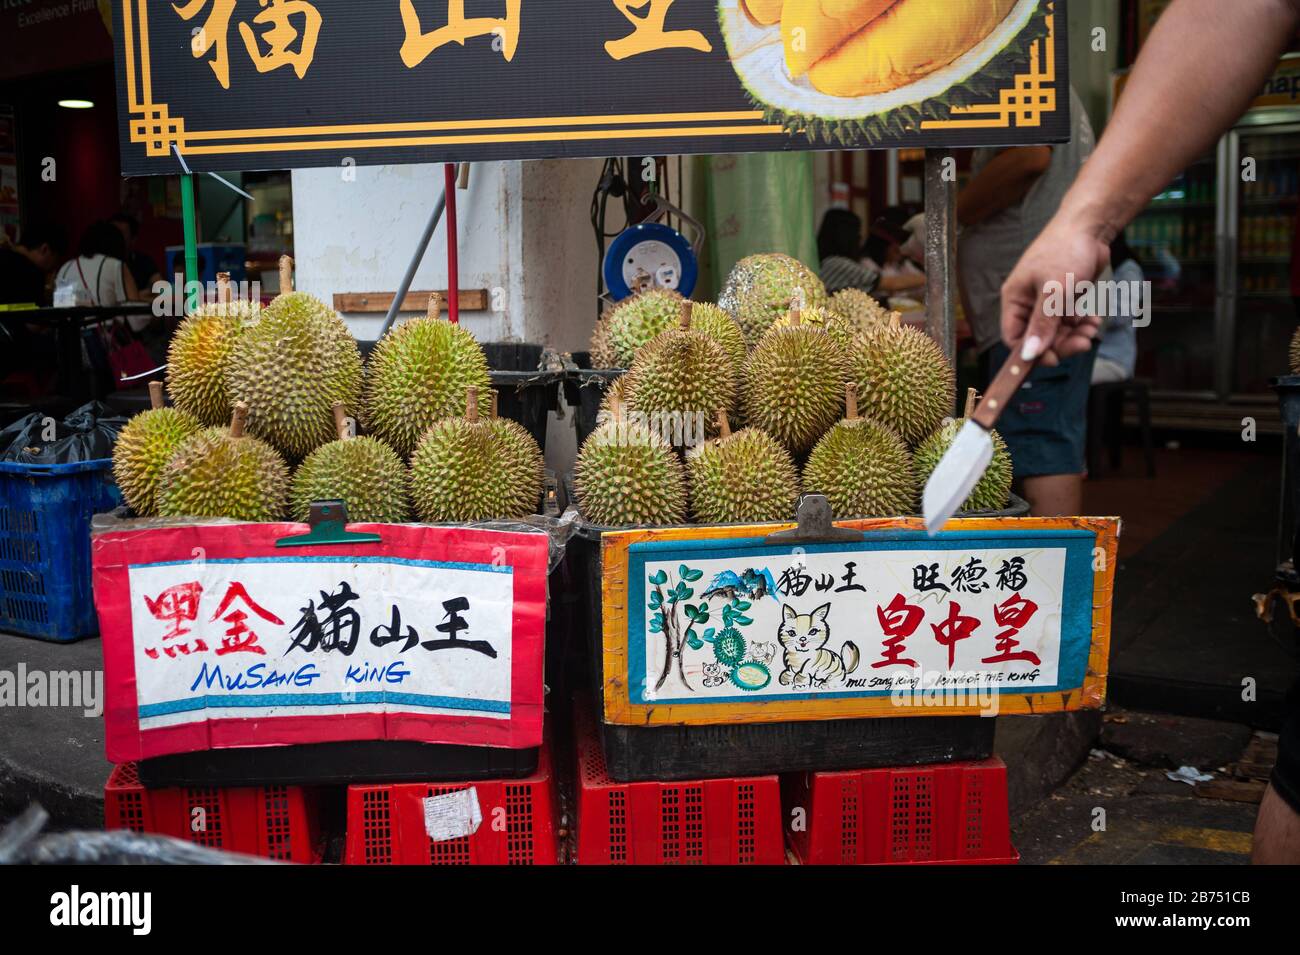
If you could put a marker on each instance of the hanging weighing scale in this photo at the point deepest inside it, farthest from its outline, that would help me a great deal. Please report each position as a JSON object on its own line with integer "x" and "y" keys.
{"x": 651, "y": 254}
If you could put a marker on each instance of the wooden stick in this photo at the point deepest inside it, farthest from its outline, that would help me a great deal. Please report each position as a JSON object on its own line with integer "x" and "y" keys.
{"x": 972, "y": 398}
{"x": 684, "y": 319}
{"x": 156, "y": 395}
{"x": 895, "y": 319}
{"x": 724, "y": 424}
{"x": 851, "y": 401}
{"x": 286, "y": 274}
{"x": 240, "y": 419}
{"x": 224, "y": 294}
{"x": 471, "y": 405}
{"x": 796, "y": 317}
{"x": 496, "y": 398}
{"x": 341, "y": 421}
{"x": 435, "y": 305}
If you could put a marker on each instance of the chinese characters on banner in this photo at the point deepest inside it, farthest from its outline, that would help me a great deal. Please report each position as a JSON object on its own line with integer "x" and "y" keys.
{"x": 435, "y": 647}
{"x": 843, "y": 622}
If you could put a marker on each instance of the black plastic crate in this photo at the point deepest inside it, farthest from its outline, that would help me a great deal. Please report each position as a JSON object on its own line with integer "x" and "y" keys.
{"x": 642, "y": 753}
{"x": 364, "y": 761}
{"x": 584, "y": 391}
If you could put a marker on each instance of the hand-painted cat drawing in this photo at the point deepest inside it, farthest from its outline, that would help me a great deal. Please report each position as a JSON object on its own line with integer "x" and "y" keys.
{"x": 807, "y": 661}
{"x": 713, "y": 675}
{"x": 763, "y": 653}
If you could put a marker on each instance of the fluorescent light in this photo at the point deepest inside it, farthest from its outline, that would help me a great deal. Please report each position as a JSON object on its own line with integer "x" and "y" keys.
{"x": 76, "y": 104}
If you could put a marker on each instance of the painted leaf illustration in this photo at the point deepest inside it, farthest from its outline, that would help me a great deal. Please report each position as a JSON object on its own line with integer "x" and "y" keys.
{"x": 658, "y": 578}
{"x": 691, "y": 575}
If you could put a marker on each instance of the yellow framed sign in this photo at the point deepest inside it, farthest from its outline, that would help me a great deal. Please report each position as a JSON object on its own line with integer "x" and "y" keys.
{"x": 241, "y": 84}
{"x": 717, "y": 625}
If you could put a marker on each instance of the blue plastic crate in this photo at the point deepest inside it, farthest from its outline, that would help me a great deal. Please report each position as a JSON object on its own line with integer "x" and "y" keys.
{"x": 45, "y": 515}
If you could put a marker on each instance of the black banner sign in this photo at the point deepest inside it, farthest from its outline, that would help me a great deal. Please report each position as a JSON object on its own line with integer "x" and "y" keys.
{"x": 257, "y": 84}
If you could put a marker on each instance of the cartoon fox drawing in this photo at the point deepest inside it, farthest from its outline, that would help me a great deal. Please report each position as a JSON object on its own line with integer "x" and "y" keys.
{"x": 807, "y": 661}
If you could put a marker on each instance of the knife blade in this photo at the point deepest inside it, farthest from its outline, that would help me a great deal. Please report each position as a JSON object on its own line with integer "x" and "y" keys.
{"x": 966, "y": 460}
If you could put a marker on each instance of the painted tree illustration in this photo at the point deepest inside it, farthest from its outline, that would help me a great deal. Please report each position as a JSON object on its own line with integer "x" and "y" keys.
{"x": 677, "y": 619}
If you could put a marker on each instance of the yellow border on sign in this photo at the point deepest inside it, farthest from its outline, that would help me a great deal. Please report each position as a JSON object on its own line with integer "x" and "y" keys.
{"x": 614, "y": 643}
{"x": 153, "y": 124}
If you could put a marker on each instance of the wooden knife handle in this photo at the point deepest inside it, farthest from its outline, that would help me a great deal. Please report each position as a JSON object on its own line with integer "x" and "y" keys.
{"x": 1004, "y": 387}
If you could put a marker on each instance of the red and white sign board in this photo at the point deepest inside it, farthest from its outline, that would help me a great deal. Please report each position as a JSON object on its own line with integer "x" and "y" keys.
{"x": 216, "y": 638}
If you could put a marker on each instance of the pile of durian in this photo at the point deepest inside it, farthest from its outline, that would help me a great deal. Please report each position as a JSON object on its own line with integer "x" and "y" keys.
{"x": 836, "y": 396}
{"x": 260, "y": 426}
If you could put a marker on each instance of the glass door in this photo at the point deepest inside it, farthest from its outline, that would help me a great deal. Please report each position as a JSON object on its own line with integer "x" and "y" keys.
{"x": 1174, "y": 240}
{"x": 1262, "y": 286}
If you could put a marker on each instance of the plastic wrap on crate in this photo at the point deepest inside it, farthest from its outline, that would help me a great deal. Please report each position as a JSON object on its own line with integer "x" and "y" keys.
{"x": 432, "y": 635}
{"x": 492, "y": 822}
{"x": 273, "y": 822}
{"x": 954, "y": 814}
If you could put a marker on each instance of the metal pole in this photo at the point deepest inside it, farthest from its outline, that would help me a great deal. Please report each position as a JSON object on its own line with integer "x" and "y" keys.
{"x": 191, "y": 227}
{"x": 423, "y": 247}
{"x": 941, "y": 249}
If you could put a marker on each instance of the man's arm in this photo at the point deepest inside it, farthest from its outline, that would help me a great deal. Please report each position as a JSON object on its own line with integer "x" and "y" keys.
{"x": 1002, "y": 183}
{"x": 1209, "y": 55}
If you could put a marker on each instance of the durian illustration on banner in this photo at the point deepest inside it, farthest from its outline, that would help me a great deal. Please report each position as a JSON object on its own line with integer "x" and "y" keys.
{"x": 849, "y": 70}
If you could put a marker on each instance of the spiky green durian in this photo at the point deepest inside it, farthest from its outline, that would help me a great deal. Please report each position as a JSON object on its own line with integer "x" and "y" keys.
{"x": 364, "y": 473}
{"x": 143, "y": 449}
{"x": 904, "y": 380}
{"x": 682, "y": 373}
{"x": 223, "y": 472}
{"x": 861, "y": 311}
{"x": 602, "y": 352}
{"x": 762, "y": 288}
{"x": 420, "y": 374}
{"x": 793, "y": 385}
{"x": 615, "y": 394}
{"x": 864, "y": 469}
{"x": 470, "y": 469}
{"x": 636, "y": 321}
{"x": 741, "y": 478}
{"x": 291, "y": 366}
{"x": 718, "y": 324}
{"x": 627, "y": 474}
{"x": 885, "y": 68}
{"x": 198, "y": 358}
{"x": 994, "y": 488}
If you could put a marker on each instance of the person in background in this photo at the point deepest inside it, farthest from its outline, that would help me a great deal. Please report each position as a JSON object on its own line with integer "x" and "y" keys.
{"x": 1117, "y": 354}
{"x": 1145, "y": 146}
{"x": 883, "y": 252}
{"x": 839, "y": 244}
{"x": 98, "y": 273}
{"x": 143, "y": 268}
{"x": 25, "y": 266}
{"x": 1012, "y": 195}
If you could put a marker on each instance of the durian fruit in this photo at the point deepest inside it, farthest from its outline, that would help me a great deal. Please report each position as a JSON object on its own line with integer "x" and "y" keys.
{"x": 199, "y": 355}
{"x": 792, "y": 385}
{"x": 994, "y": 488}
{"x": 861, "y": 311}
{"x": 628, "y": 474}
{"x": 615, "y": 395}
{"x": 863, "y": 71}
{"x": 762, "y": 288}
{"x": 863, "y": 468}
{"x": 903, "y": 378}
{"x": 682, "y": 375}
{"x": 291, "y": 366}
{"x": 741, "y": 478}
{"x": 364, "y": 473}
{"x": 636, "y": 321}
{"x": 1295, "y": 352}
{"x": 468, "y": 469}
{"x": 420, "y": 374}
{"x": 143, "y": 449}
{"x": 722, "y": 328}
{"x": 225, "y": 472}
{"x": 602, "y": 351}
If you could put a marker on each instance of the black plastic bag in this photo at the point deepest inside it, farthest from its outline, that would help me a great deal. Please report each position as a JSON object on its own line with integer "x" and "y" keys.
{"x": 87, "y": 434}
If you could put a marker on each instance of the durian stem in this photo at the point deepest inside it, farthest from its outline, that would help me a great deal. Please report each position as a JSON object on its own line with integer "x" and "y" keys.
{"x": 239, "y": 420}
{"x": 851, "y": 400}
{"x": 223, "y": 288}
{"x": 495, "y": 400}
{"x": 895, "y": 319}
{"x": 435, "y": 305}
{"x": 724, "y": 425}
{"x": 471, "y": 405}
{"x": 155, "y": 395}
{"x": 685, "y": 318}
{"x": 286, "y": 274}
{"x": 341, "y": 421}
{"x": 972, "y": 396}
{"x": 796, "y": 317}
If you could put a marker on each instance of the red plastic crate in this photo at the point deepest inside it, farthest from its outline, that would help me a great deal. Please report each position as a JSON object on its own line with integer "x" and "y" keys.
{"x": 519, "y": 826}
{"x": 275, "y": 822}
{"x": 951, "y": 814}
{"x": 705, "y": 822}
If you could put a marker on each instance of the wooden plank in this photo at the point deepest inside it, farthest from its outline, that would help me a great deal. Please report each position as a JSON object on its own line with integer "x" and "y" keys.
{"x": 471, "y": 300}
{"x": 1234, "y": 790}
